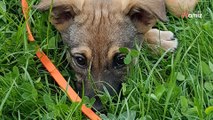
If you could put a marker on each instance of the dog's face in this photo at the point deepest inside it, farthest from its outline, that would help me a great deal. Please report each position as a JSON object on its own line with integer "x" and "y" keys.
{"x": 94, "y": 30}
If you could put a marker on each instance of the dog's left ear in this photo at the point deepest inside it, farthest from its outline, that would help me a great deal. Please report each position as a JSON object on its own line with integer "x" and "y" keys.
{"x": 144, "y": 13}
{"x": 63, "y": 11}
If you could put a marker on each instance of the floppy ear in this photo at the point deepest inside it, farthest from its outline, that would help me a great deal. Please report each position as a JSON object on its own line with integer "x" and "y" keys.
{"x": 63, "y": 11}
{"x": 144, "y": 13}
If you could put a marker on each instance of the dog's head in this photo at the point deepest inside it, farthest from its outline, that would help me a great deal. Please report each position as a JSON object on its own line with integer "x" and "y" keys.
{"x": 94, "y": 30}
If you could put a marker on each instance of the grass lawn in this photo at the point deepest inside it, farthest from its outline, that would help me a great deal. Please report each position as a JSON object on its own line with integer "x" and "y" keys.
{"x": 168, "y": 86}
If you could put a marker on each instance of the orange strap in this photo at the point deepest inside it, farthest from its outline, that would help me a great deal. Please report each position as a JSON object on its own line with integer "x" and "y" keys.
{"x": 54, "y": 71}
{"x": 25, "y": 12}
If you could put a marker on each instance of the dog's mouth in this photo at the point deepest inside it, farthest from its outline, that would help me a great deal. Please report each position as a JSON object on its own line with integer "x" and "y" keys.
{"x": 99, "y": 92}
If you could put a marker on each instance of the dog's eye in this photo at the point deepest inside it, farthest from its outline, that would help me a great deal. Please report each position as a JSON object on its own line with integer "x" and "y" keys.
{"x": 118, "y": 60}
{"x": 80, "y": 60}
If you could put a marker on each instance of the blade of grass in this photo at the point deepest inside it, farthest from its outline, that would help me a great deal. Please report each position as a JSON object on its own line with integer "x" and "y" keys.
{"x": 6, "y": 97}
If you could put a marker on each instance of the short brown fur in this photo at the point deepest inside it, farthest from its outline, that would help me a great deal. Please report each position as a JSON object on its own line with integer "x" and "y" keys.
{"x": 94, "y": 30}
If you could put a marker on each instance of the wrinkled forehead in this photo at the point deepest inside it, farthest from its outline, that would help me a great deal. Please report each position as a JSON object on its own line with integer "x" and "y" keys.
{"x": 100, "y": 24}
{"x": 109, "y": 5}
{"x": 100, "y": 12}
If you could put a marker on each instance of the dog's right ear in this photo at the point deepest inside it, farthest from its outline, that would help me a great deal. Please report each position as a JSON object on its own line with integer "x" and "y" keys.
{"x": 144, "y": 13}
{"x": 63, "y": 11}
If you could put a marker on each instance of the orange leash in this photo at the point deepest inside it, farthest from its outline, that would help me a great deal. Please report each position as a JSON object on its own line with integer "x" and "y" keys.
{"x": 73, "y": 96}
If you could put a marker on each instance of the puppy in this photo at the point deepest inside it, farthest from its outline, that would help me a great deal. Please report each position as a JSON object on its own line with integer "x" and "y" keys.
{"x": 94, "y": 30}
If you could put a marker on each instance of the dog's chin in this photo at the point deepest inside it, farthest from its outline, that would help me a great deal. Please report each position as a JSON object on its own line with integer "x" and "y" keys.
{"x": 98, "y": 106}
{"x": 113, "y": 90}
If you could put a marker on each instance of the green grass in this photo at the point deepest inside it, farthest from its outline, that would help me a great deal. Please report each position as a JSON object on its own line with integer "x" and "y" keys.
{"x": 169, "y": 86}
